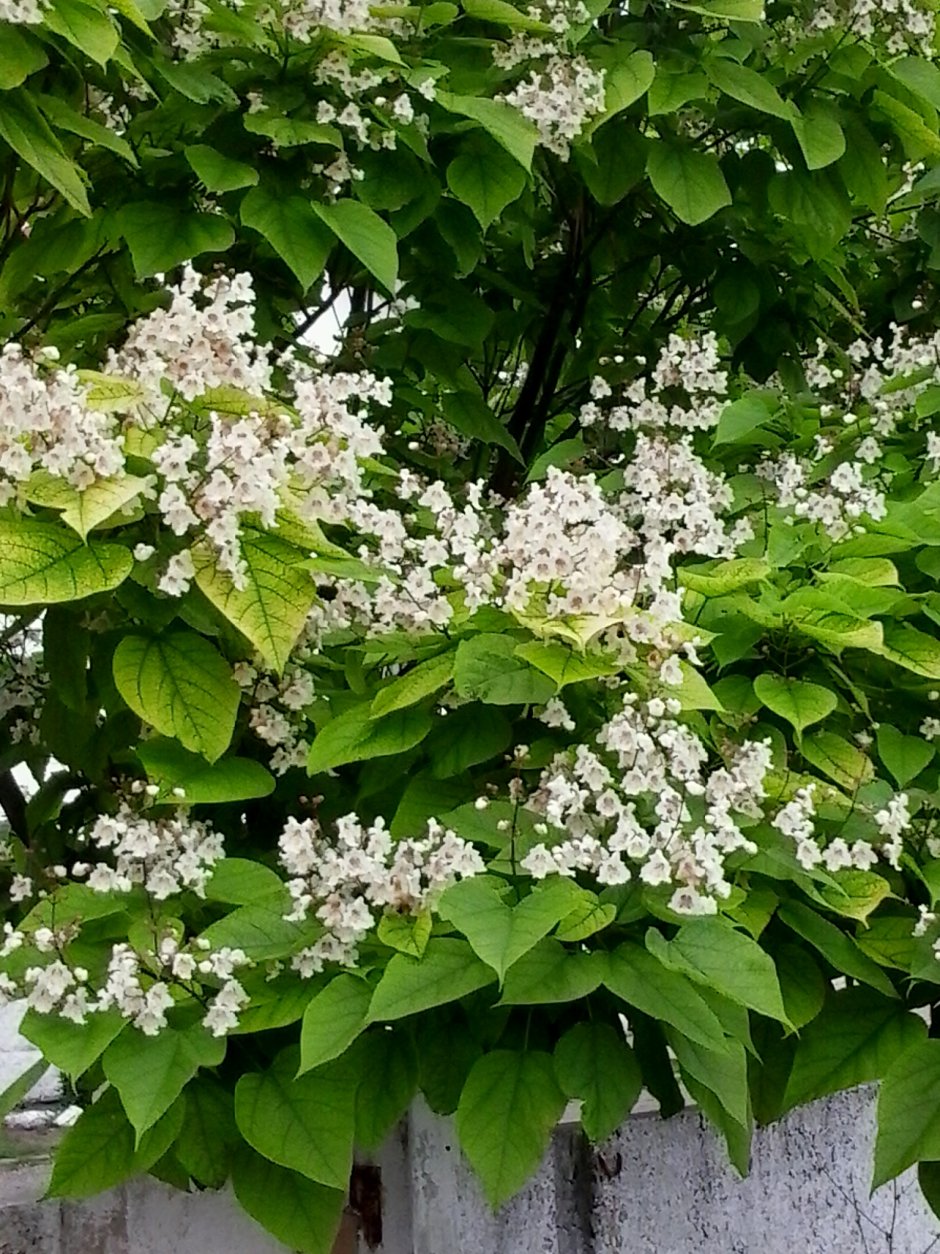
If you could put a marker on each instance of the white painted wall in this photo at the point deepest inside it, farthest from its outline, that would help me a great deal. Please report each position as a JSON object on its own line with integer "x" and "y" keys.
{"x": 656, "y": 1188}
{"x": 17, "y": 1056}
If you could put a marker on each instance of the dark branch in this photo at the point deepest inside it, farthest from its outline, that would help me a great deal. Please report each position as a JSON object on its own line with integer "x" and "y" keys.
{"x": 13, "y": 804}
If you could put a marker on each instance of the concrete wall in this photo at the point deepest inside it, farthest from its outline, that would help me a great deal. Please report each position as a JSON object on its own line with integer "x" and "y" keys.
{"x": 655, "y": 1188}
{"x": 665, "y": 1187}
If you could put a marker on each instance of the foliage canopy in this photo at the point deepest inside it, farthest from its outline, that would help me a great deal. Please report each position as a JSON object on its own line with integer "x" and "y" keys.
{"x": 558, "y": 650}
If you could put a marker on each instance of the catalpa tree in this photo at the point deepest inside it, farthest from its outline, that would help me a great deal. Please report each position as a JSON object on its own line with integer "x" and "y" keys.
{"x": 533, "y": 697}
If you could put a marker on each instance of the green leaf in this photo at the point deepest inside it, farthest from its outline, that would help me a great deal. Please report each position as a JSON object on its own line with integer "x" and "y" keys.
{"x": 920, "y": 76}
{"x": 469, "y": 414}
{"x": 488, "y": 670}
{"x": 333, "y": 1020}
{"x": 819, "y": 134}
{"x": 855, "y": 894}
{"x": 737, "y": 1136}
{"x": 594, "y": 1063}
{"x": 889, "y": 940}
{"x": 150, "y": 1072}
{"x": 799, "y": 702}
{"x": 908, "y": 1112}
{"x": 262, "y": 931}
{"x": 305, "y": 1123}
{"x": 111, "y": 394}
{"x": 722, "y": 1072}
{"x": 272, "y": 606}
{"x": 549, "y": 973}
{"x": 625, "y": 81}
{"x": 731, "y": 10}
{"x": 670, "y": 90}
{"x": 741, "y": 419}
{"x": 407, "y": 933}
{"x": 611, "y": 166}
{"x": 132, "y": 11}
{"x": 464, "y": 739}
{"x": 724, "y": 577}
{"x": 507, "y": 1113}
{"x": 209, "y": 1134}
{"x": 171, "y": 766}
{"x": 486, "y": 179}
{"x": 98, "y": 1151}
{"x": 690, "y": 182}
{"x": 499, "y": 933}
{"x": 14, "y": 1093}
{"x": 65, "y": 118}
{"x": 503, "y": 13}
{"x": 20, "y": 55}
{"x": 904, "y": 756}
{"x": 449, "y": 970}
{"x": 182, "y": 686}
{"x": 749, "y": 87}
{"x": 161, "y": 236}
{"x": 447, "y": 1055}
{"x": 837, "y": 758}
{"x": 356, "y": 736}
{"x": 855, "y": 1040}
{"x": 864, "y": 170}
{"x": 302, "y": 1215}
{"x": 292, "y": 228}
{"x": 194, "y": 82}
{"x": 408, "y": 689}
{"x": 589, "y": 917}
{"x": 289, "y": 132}
{"x": 565, "y": 665}
{"x": 918, "y": 138}
{"x": 85, "y": 26}
{"x": 27, "y": 132}
{"x": 366, "y": 235}
{"x": 42, "y": 564}
{"x": 275, "y": 1003}
{"x": 835, "y": 946}
{"x": 641, "y": 980}
{"x": 838, "y": 631}
{"x": 802, "y": 984}
{"x": 506, "y": 124}
{"x": 95, "y": 505}
{"x": 713, "y": 953}
{"x": 72, "y": 1047}
{"x": 243, "y": 882}
{"x": 912, "y": 649}
{"x": 814, "y": 209}
{"x": 389, "y": 1069}
{"x": 874, "y": 572}
{"x": 219, "y": 173}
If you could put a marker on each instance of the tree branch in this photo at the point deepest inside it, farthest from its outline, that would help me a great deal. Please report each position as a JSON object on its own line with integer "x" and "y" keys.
{"x": 13, "y": 804}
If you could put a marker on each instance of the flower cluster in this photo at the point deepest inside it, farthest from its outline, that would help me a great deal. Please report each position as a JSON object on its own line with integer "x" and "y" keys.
{"x": 838, "y": 505}
{"x": 648, "y": 805}
{"x": 223, "y": 452}
{"x": 202, "y": 340}
{"x": 23, "y": 682}
{"x": 557, "y": 17}
{"x": 278, "y": 712}
{"x": 140, "y": 987}
{"x": 560, "y": 98}
{"x": 47, "y": 424}
{"x": 21, "y": 12}
{"x": 193, "y": 32}
{"x": 165, "y": 855}
{"x": 902, "y": 25}
{"x": 345, "y": 880}
{"x": 796, "y": 821}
